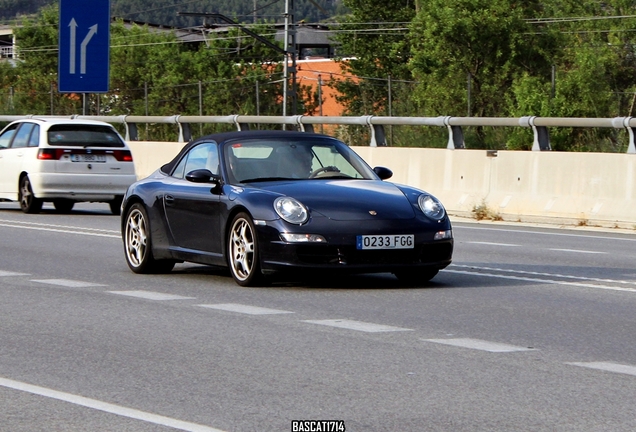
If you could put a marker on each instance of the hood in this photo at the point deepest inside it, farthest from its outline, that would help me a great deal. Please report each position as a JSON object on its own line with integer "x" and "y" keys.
{"x": 349, "y": 200}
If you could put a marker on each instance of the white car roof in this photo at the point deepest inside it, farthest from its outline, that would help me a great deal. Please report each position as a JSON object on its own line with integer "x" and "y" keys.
{"x": 47, "y": 122}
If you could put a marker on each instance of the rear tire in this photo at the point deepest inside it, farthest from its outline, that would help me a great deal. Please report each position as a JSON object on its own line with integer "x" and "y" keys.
{"x": 115, "y": 205}
{"x": 28, "y": 202}
{"x": 242, "y": 252}
{"x": 138, "y": 243}
{"x": 63, "y": 205}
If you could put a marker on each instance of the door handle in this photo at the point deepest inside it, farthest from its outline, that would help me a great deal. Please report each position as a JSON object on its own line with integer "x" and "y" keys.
{"x": 169, "y": 200}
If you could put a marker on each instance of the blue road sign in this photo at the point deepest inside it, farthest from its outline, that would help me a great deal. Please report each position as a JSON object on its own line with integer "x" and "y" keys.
{"x": 84, "y": 46}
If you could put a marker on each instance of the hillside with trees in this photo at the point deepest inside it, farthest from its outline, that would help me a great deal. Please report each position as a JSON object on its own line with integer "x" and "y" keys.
{"x": 489, "y": 58}
{"x": 165, "y": 12}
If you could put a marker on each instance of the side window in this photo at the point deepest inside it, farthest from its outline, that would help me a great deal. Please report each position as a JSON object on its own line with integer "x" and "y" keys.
{"x": 34, "y": 141}
{"x": 203, "y": 156}
{"x": 7, "y": 135}
{"x": 22, "y": 136}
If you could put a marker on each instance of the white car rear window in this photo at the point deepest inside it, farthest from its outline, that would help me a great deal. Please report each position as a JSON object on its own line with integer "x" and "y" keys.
{"x": 83, "y": 136}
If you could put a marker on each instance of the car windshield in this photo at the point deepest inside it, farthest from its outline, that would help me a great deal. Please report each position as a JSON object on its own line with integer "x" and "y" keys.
{"x": 82, "y": 135}
{"x": 256, "y": 160}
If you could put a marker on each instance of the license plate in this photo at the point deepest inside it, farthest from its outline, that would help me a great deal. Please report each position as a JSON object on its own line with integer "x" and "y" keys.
{"x": 88, "y": 158}
{"x": 402, "y": 241}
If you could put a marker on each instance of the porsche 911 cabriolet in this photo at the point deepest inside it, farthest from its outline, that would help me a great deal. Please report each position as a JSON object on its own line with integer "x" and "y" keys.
{"x": 264, "y": 203}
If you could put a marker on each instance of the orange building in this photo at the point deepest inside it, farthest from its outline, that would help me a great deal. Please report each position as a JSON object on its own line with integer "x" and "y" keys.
{"x": 314, "y": 72}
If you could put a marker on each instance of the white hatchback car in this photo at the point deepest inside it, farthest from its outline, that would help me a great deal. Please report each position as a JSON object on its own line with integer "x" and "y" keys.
{"x": 63, "y": 161}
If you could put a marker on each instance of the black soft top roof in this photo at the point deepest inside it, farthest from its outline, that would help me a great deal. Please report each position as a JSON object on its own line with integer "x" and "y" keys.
{"x": 237, "y": 135}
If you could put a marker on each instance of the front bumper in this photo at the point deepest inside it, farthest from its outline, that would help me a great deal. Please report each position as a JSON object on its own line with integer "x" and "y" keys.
{"x": 340, "y": 254}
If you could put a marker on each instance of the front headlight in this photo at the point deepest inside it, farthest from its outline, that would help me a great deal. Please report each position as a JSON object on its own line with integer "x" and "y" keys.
{"x": 291, "y": 210}
{"x": 431, "y": 207}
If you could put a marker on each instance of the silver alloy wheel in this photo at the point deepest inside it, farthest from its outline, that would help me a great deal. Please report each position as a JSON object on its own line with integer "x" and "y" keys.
{"x": 136, "y": 238}
{"x": 28, "y": 202}
{"x": 242, "y": 249}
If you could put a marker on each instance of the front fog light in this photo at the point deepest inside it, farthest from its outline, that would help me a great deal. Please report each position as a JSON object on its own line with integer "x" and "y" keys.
{"x": 302, "y": 238}
{"x": 443, "y": 235}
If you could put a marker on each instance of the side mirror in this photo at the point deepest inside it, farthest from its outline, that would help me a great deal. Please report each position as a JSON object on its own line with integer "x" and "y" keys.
{"x": 201, "y": 176}
{"x": 383, "y": 173}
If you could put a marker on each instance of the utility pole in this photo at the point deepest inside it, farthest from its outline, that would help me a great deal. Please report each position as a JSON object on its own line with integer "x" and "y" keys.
{"x": 290, "y": 55}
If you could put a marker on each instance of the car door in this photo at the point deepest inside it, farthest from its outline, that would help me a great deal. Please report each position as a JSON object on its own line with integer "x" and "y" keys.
{"x": 192, "y": 209}
{"x": 13, "y": 146}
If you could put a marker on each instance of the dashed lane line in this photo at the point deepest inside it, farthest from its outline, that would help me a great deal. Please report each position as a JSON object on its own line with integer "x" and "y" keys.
{"x": 106, "y": 407}
{"x": 357, "y": 325}
{"x": 578, "y": 251}
{"x": 67, "y": 283}
{"x": 478, "y": 344}
{"x": 493, "y": 244}
{"x": 151, "y": 295}
{"x": 608, "y": 367}
{"x": 244, "y": 309}
{"x": 8, "y": 273}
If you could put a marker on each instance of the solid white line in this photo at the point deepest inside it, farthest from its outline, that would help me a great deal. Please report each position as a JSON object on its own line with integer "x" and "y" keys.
{"x": 548, "y": 281}
{"x": 244, "y": 309}
{"x": 481, "y": 345}
{"x": 106, "y": 407}
{"x": 47, "y": 225}
{"x": 609, "y": 367}
{"x": 67, "y": 283}
{"x": 545, "y": 274}
{"x": 493, "y": 244}
{"x": 150, "y": 295}
{"x": 545, "y": 233}
{"x": 578, "y": 251}
{"x": 357, "y": 325}
{"x": 62, "y": 231}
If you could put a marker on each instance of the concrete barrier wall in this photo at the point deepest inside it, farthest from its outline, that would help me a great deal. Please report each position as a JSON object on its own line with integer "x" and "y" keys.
{"x": 571, "y": 188}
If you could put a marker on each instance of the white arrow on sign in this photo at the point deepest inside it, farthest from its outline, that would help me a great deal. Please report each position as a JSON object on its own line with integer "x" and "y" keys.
{"x": 85, "y": 42}
{"x": 73, "y": 26}
{"x": 73, "y": 46}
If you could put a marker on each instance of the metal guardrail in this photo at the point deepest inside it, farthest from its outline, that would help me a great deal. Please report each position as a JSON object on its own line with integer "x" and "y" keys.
{"x": 539, "y": 125}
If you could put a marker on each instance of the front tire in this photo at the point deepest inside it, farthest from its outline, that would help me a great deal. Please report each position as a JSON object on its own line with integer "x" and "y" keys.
{"x": 28, "y": 202}
{"x": 243, "y": 255}
{"x": 138, "y": 243}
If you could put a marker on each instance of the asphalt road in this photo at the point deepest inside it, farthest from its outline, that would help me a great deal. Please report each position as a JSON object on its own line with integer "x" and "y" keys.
{"x": 530, "y": 329}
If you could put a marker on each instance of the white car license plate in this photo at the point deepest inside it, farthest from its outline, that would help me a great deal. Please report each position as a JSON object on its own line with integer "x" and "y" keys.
{"x": 88, "y": 158}
{"x": 402, "y": 241}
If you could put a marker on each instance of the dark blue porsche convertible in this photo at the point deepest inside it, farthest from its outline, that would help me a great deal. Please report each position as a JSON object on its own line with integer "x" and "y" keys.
{"x": 263, "y": 202}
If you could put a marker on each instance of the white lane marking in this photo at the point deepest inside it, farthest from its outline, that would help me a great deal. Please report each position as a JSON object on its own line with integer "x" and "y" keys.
{"x": 244, "y": 309}
{"x": 481, "y": 345}
{"x": 609, "y": 367}
{"x": 493, "y": 244}
{"x": 67, "y": 283}
{"x": 8, "y": 273}
{"x": 548, "y": 281}
{"x": 151, "y": 295}
{"x": 357, "y": 325}
{"x": 106, "y": 407}
{"x": 546, "y": 274}
{"x": 578, "y": 251}
{"x": 546, "y": 233}
{"x": 67, "y": 231}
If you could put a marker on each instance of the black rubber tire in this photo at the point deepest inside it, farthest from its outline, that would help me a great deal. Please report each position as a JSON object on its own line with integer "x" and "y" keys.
{"x": 242, "y": 252}
{"x": 115, "y": 205}
{"x": 138, "y": 243}
{"x": 28, "y": 202}
{"x": 63, "y": 205}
